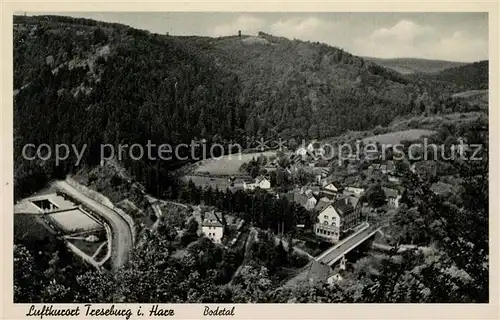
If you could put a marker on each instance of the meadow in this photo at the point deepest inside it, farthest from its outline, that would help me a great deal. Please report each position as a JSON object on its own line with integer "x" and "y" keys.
{"x": 228, "y": 165}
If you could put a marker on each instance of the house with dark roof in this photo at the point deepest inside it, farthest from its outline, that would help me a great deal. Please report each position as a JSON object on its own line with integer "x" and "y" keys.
{"x": 357, "y": 192}
{"x": 336, "y": 217}
{"x": 318, "y": 272}
{"x": 305, "y": 198}
{"x": 212, "y": 226}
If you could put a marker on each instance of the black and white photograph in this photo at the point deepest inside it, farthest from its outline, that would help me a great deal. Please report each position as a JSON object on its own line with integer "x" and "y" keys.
{"x": 249, "y": 157}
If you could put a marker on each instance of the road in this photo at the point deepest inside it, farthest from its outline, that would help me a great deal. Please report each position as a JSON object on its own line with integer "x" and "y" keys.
{"x": 121, "y": 241}
{"x": 345, "y": 246}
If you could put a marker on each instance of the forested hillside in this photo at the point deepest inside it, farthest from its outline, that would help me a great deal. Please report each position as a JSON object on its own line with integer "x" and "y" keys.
{"x": 303, "y": 89}
{"x": 101, "y": 83}
{"x": 473, "y": 76}
{"x": 469, "y": 77}
{"x": 80, "y": 81}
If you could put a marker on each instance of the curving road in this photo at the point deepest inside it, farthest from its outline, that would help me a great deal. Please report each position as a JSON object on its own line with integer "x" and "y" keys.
{"x": 121, "y": 241}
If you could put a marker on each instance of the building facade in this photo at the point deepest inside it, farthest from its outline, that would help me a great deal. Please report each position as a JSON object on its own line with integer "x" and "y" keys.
{"x": 212, "y": 227}
{"x": 336, "y": 217}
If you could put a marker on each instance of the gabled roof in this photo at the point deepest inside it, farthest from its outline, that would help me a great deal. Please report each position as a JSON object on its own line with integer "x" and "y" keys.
{"x": 390, "y": 193}
{"x": 259, "y": 179}
{"x": 299, "y": 198}
{"x": 322, "y": 205}
{"x": 211, "y": 220}
{"x": 343, "y": 206}
{"x": 318, "y": 271}
{"x": 337, "y": 185}
{"x": 353, "y": 201}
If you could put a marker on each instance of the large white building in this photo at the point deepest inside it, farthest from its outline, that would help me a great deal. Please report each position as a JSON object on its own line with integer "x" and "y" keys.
{"x": 212, "y": 227}
{"x": 336, "y": 217}
{"x": 260, "y": 182}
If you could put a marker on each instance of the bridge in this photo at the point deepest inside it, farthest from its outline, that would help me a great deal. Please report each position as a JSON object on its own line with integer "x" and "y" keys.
{"x": 337, "y": 252}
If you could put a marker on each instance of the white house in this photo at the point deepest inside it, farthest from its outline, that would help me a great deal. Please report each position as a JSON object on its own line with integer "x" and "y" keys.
{"x": 212, "y": 227}
{"x": 357, "y": 192}
{"x": 333, "y": 187}
{"x": 314, "y": 148}
{"x": 328, "y": 225}
{"x": 301, "y": 151}
{"x": 393, "y": 196}
{"x": 312, "y": 145}
{"x": 248, "y": 185}
{"x": 263, "y": 182}
{"x": 334, "y": 279}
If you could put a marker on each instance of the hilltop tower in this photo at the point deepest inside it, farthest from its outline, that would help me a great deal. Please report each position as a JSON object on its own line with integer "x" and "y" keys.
{"x": 239, "y": 33}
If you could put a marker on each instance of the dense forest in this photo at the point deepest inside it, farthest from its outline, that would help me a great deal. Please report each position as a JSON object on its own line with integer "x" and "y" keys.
{"x": 118, "y": 86}
{"x": 473, "y": 76}
{"x": 87, "y": 83}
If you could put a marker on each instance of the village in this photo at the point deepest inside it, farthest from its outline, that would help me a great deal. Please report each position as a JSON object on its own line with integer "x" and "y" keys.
{"x": 342, "y": 196}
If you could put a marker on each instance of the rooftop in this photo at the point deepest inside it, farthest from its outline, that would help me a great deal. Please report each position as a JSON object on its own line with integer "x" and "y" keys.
{"x": 343, "y": 206}
{"x": 322, "y": 204}
{"x": 391, "y": 193}
{"x": 211, "y": 220}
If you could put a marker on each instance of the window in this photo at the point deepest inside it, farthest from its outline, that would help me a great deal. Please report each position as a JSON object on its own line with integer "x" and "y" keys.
{"x": 326, "y": 222}
{"x": 325, "y": 217}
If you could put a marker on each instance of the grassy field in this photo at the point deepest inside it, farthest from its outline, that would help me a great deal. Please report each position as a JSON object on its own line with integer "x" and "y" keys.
{"x": 394, "y": 138}
{"x": 228, "y": 165}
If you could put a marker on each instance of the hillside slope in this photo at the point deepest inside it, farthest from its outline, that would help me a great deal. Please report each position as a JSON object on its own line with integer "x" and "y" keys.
{"x": 86, "y": 83}
{"x": 415, "y": 65}
{"x": 299, "y": 88}
{"x": 472, "y": 76}
{"x": 83, "y": 82}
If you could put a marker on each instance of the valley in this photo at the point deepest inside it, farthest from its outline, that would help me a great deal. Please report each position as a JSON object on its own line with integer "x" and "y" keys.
{"x": 282, "y": 220}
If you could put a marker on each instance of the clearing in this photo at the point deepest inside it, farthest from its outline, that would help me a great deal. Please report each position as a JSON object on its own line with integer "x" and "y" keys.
{"x": 394, "y": 138}
{"x": 228, "y": 165}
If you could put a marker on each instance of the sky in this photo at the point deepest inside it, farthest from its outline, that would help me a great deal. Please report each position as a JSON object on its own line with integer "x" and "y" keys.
{"x": 443, "y": 36}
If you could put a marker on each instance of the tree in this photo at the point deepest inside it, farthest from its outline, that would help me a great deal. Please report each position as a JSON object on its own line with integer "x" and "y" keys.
{"x": 251, "y": 285}
{"x": 375, "y": 196}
